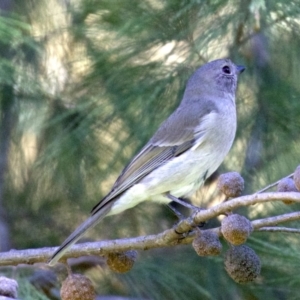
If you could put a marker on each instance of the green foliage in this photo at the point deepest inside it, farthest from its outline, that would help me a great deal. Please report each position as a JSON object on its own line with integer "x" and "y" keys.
{"x": 86, "y": 83}
{"x": 28, "y": 292}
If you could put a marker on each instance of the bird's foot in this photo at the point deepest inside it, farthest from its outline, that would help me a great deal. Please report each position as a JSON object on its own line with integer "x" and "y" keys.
{"x": 182, "y": 202}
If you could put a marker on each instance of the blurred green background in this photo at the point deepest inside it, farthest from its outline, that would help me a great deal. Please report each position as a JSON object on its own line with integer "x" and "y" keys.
{"x": 85, "y": 83}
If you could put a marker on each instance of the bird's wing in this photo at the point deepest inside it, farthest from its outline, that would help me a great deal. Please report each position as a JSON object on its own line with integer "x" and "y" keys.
{"x": 160, "y": 149}
{"x": 149, "y": 159}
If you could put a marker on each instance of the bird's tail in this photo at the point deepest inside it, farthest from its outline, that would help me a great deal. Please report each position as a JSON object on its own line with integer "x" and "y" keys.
{"x": 78, "y": 233}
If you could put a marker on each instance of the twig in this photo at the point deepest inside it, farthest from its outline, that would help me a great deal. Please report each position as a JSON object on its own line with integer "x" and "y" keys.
{"x": 273, "y": 221}
{"x": 248, "y": 200}
{"x": 280, "y": 229}
{"x": 273, "y": 184}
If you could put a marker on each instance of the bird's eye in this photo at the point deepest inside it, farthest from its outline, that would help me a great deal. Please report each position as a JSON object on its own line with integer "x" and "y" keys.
{"x": 226, "y": 70}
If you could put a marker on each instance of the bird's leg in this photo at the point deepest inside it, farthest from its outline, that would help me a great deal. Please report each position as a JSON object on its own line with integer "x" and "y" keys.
{"x": 185, "y": 204}
{"x": 177, "y": 200}
{"x": 177, "y": 213}
{"x": 180, "y": 217}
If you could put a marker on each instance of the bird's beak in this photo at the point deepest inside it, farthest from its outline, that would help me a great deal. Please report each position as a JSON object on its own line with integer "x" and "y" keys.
{"x": 240, "y": 69}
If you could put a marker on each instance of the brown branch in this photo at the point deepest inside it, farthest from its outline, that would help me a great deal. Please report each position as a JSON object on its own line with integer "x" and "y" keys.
{"x": 167, "y": 238}
{"x": 273, "y": 221}
{"x": 249, "y": 200}
{"x": 280, "y": 229}
{"x": 273, "y": 184}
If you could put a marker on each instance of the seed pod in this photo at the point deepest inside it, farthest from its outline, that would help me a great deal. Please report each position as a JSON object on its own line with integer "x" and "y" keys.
{"x": 8, "y": 288}
{"x": 231, "y": 184}
{"x": 242, "y": 264}
{"x": 286, "y": 185}
{"x": 121, "y": 262}
{"x": 77, "y": 287}
{"x": 207, "y": 243}
{"x": 236, "y": 229}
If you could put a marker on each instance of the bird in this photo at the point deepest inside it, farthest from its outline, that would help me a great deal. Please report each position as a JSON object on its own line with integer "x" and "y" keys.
{"x": 185, "y": 150}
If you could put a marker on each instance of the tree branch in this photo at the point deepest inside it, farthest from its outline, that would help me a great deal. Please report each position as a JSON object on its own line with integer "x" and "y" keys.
{"x": 167, "y": 238}
{"x": 273, "y": 184}
{"x": 280, "y": 229}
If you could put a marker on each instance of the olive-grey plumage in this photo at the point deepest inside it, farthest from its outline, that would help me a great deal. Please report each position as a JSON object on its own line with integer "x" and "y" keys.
{"x": 186, "y": 149}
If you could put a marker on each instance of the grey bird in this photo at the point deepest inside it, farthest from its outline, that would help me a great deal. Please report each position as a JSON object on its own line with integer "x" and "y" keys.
{"x": 186, "y": 149}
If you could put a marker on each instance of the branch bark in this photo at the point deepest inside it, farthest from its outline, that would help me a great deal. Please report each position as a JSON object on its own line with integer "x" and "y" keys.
{"x": 180, "y": 234}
